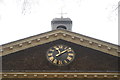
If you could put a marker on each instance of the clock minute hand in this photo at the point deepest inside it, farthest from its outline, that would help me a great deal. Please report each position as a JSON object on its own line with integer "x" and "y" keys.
{"x": 62, "y": 52}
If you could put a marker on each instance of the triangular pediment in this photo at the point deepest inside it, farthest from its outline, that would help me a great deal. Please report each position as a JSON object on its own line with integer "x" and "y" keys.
{"x": 34, "y": 58}
{"x": 63, "y": 35}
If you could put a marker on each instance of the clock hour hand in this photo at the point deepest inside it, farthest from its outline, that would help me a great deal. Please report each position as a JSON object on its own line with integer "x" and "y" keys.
{"x": 58, "y": 50}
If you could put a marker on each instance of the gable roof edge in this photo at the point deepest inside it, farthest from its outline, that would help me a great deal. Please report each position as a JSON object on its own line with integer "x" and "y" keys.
{"x": 60, "y": 34}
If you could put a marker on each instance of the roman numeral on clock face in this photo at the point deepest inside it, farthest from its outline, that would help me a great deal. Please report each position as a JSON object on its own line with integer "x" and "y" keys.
{"x": 51, "y": 50}
{"x": 71, "y": 54}
{"x": 65, "y": 61}
{"x": 60, "y": 46}
{"x": 51, "y": 58}
{"x": 55, "y": 47}
{"x": 69, "y": 58}
{"x": 55, "y": 61}
{"x": 60, "y": 62}
{"x": 50, "y": 54}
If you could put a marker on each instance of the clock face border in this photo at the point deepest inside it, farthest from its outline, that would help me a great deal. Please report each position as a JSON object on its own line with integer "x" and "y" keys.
{"x": 73, "y": 57}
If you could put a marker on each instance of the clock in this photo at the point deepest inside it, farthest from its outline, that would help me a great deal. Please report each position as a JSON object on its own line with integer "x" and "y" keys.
{"x": 60, "y": 55}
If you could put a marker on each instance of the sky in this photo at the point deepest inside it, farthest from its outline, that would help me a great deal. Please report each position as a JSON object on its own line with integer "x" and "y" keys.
{"x": 23, "y": 18}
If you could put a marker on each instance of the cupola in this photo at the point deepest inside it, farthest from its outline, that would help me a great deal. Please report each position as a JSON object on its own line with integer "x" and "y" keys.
{"x": 61, "y": 23}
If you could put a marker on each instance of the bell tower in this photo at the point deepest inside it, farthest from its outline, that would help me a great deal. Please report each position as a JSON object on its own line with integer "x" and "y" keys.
{"x": 61, "y": 23}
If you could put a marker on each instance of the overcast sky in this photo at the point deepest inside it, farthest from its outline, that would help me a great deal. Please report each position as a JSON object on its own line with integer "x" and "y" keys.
{"x": 23, "y": 18}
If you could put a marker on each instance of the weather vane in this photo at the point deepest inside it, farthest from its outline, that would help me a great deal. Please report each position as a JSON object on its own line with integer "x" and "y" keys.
{"x": 62, "y": 13}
